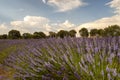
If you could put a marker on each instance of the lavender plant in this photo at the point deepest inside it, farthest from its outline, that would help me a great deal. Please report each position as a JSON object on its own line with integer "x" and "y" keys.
{"x": 67, "y": 59}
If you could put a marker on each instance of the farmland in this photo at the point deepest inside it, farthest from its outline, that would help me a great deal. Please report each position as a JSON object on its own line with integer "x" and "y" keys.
{"x": 62, "y": 59}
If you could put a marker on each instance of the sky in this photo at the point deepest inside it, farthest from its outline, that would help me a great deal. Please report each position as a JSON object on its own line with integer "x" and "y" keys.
{"x": 54, "y": 15}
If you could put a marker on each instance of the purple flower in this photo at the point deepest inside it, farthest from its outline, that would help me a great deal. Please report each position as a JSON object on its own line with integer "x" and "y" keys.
{"x": 114, "y": 72}
{"x": 96, "y": 49}
{"x": 77, "y": 75}
{"x": 112, "y": 55}
{"x": 118, "y": 54}
{"x": 109, "y": 76}
{"x": 107, "y": 69}
{"x": 91, "y": 73}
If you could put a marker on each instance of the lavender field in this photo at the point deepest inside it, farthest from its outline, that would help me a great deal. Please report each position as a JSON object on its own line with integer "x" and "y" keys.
{"x": 60, "y": 59}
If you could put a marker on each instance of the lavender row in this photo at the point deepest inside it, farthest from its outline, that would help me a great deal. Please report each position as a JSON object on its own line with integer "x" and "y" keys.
{"x": 67, "y": 59}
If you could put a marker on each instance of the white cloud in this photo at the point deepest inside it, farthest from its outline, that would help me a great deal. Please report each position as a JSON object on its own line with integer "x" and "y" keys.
{"x": 65, "y": 5}
{"x": 37, "y": 23}
{"x": 116, "y": 5}
{"x": 4, "y": 28}
{"x": 106, "y": 21}
{"x": 31, "y": 24}
{"x": 66, "y": 26}
{"x": 37, "y": 19}
{"x": 44, "y": 1}
{"x": 102, "y": 23}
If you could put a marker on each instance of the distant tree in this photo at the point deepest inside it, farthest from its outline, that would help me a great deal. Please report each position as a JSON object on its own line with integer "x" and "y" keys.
{"x": 27, "y": 36}
{"x": 113, "y": 30}
{"x": 0, "y": 36}
{"x": 4, "y": 36}
{"x": 93, "y": 32}
{"x": 101, "y": 32}
{"x": 38, "y": 35}
{"x": 62, "y": 34}
{"x": 52, "y": 34}
{"x": 72, "y": 33}
{"x": 84, "y": 32}
{"x": 14, "y": 34}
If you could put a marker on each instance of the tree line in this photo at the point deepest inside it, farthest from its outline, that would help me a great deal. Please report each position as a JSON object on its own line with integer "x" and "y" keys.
{"x": 15, "y": 34}
{"x": 113, "y": 30}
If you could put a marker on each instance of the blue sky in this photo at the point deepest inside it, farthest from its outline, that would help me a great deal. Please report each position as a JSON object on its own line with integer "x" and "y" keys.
{"x": 17, "y": 9}
{"x": 58, "y": 13}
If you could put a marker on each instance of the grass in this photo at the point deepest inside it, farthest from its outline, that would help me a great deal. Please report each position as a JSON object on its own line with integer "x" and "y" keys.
{"x": 6, "y": 52}
{"x": 5, "y": 72}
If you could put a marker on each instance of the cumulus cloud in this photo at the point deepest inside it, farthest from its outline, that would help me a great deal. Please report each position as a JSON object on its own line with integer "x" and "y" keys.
{"x": 67, "y": 25}
{"x": 106, "y": 21}
{"x": 116, "y": 5}
{"x": 36, "y": 23}
{"x": 102, "y": 23}
{"x": 31, "y": 24}
{"x": 4, "y": 28}
{"x": 64, "y": 5}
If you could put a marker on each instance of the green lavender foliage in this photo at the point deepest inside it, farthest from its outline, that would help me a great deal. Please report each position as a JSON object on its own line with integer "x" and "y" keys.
{"x": 67, "y": 59}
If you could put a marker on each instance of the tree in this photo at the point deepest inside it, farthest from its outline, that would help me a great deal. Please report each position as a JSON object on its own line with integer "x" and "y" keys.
{"x": 113, "y": 30}
{"x": 101, "y": 32}
{"x": 93, "y": 32}
{"x": 52, "y": 34}
{"x": 14, "y": 34}
{"x": 27, "y": 36}
{"x": 38, "y": 35}
{"x": 4, "y": 36}
{"x": 72, "y": 33}
{"x": 84, "y": 32}
{"x": 62, "y": 34}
